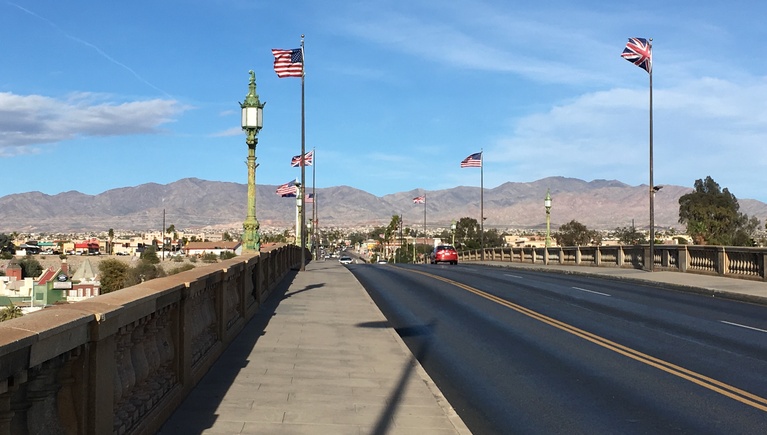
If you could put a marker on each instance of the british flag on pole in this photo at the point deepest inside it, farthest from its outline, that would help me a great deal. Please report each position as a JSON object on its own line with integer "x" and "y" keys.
{"x": 308, "y": 159}
{"x": 639, "y": 52}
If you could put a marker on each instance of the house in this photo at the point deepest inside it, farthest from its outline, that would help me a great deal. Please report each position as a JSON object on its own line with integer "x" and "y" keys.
{"x": 87, "y": 247}
{"x": 200, "y": 248}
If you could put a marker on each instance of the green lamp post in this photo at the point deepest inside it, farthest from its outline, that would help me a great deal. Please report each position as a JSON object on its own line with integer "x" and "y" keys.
{"x": 252, "y": 121}
{"x": 547, "y": 205}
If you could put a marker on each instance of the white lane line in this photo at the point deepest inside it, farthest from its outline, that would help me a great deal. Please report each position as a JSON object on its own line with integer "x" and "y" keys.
{"x": 743, "y": 326}
{"x": 513, "y": 276}
{"x": 591, "y": 291}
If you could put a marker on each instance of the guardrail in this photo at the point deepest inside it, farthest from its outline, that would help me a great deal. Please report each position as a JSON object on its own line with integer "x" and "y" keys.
{"x": 122, "y": 362}
{"x": 730, "y": 261}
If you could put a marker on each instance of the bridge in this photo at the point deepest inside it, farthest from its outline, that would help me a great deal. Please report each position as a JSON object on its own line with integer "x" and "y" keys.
{"x": 124, "y": 362}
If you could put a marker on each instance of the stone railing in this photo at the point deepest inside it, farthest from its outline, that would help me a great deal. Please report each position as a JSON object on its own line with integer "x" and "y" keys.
{"x": 730, "y": 261}
{"x": 122, "y": 362}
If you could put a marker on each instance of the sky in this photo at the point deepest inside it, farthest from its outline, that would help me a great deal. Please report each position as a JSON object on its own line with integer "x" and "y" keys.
{"x": 101, "y": 95}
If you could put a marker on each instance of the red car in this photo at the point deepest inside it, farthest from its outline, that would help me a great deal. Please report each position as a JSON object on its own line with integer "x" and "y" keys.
{"x": 444, "y": 254}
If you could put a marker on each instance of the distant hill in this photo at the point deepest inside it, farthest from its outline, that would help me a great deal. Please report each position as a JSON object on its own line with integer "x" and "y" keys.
{"x": 192, "y": 203}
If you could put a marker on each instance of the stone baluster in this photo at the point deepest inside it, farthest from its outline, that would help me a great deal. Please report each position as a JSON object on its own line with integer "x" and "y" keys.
{"x": 124, "y": 409}
{"x": 42, "y": 388}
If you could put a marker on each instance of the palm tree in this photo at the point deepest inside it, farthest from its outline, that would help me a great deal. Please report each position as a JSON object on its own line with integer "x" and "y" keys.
{"x": 10, "y": 312}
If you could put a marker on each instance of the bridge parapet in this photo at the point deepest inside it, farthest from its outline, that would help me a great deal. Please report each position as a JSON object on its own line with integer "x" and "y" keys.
{"x": 122, "y": 362}
{"x": 730, "y": 261}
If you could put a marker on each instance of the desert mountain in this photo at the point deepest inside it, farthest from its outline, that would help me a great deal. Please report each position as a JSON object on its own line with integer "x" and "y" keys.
{"x": 193, "y": 203}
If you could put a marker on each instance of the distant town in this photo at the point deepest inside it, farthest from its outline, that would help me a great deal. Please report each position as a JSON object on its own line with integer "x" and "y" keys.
{"x": 68, "y": 264}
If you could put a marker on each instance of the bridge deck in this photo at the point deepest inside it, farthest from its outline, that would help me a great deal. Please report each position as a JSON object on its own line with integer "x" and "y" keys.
{"x": 318, "y": 358}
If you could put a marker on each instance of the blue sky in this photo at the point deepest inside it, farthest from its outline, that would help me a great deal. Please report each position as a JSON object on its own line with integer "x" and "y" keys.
{"x": 99, "y": 95}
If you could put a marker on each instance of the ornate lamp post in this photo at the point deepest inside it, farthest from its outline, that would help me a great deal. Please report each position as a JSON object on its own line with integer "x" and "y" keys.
{"x": 299, "y": 213}
{"x": 252, "y": 121}
{"x": 547, "y": 204}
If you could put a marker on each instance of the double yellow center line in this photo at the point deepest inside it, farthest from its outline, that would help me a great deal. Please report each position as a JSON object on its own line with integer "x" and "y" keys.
{"x": 694, "y": 377}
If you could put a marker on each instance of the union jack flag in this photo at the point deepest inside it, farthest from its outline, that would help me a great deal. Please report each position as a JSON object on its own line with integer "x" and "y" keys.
{"x": 419, "y": 200}
{"x": 639, "y": 52}
{"x": 288, "y": 189}
{"x": 308, "y": 159}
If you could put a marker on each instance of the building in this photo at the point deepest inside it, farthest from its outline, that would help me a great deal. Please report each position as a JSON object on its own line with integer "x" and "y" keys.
{"x": 54, "y": 285}
{"x": 193, "y": 249}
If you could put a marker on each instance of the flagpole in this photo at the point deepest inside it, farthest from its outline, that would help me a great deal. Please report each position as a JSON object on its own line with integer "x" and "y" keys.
{"x": 652, "y": 185}
{"x": 303, "y": 160}
{"x": 424, "y": 224}
{"x": 482, "y": 204}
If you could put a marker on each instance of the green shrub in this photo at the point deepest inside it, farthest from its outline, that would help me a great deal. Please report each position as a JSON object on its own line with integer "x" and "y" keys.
{"x": 209, "y": 257}
{"x": 182, "y": 268}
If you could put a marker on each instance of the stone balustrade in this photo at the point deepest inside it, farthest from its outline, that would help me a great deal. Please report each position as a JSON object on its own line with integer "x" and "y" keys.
{"x": 122, "y": 362}
{"x": 730, "y": 261}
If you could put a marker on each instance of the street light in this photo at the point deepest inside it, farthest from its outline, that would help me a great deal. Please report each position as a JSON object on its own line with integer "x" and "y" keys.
{"x": 252, "y": 122}
{"x": 547, "y": 204}
{"x": 299, "y": 211}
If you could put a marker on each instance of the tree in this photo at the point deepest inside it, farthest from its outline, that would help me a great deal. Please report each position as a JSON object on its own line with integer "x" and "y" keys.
{"x": 392, "y": 231}
{"x": 113, "y": 275}
{"x": 6, "y": 243}
{"x": 574, "y": 233}
{"x": 467, "y": 233}
{"x": 111, "y": 235}
{"x": 150, "y": 255}
{"x": 356, "y": 238}
{"x": 10, "y": 312}
{"x": 712, "y": 216}
{"x": 226, "y": 237}
{"x": 492, "y": 238}
{"x": 630, "y": 236}
{"x": 144, "y": 271}
{"x": 30, "y": 267}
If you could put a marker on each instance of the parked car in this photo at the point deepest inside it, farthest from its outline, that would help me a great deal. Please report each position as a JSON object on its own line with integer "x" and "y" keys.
{"x": 345, "y": 260}
{"x": 444, "y": 254}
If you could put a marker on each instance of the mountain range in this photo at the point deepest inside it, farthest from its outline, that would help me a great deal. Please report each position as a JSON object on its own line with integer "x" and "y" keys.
{"x": 191, "y": 204}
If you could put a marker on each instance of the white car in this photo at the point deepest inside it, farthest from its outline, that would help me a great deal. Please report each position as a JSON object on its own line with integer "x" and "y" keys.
{"x": 345, "y": 260}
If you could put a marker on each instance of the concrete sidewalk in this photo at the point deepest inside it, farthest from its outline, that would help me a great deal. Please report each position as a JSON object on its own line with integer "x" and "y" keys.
{"x": 319, "y": 358}
{"x": 713, "y": 285}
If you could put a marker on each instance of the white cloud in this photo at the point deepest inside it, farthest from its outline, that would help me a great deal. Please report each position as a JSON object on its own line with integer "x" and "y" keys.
{"x": 701, "y": 127}
{"x": 30, "y": 120}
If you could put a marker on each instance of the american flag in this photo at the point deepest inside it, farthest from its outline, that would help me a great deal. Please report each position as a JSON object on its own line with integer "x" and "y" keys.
{"x": 288, "y": 63}
{"x": 309, "y": 198}
{"x": 473, "y": 161}
{"x": 308, "y": 159}
{"x": 419, "y": 200}
{"x": 288, "y": 189}
{"x": 639, "y": 52}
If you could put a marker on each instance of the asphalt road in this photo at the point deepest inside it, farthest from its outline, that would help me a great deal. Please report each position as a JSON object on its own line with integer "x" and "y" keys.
{"x": 519, "y": 351}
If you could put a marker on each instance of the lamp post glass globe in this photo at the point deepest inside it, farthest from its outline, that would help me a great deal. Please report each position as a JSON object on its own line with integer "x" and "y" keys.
{"x": 252, "y": 117}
